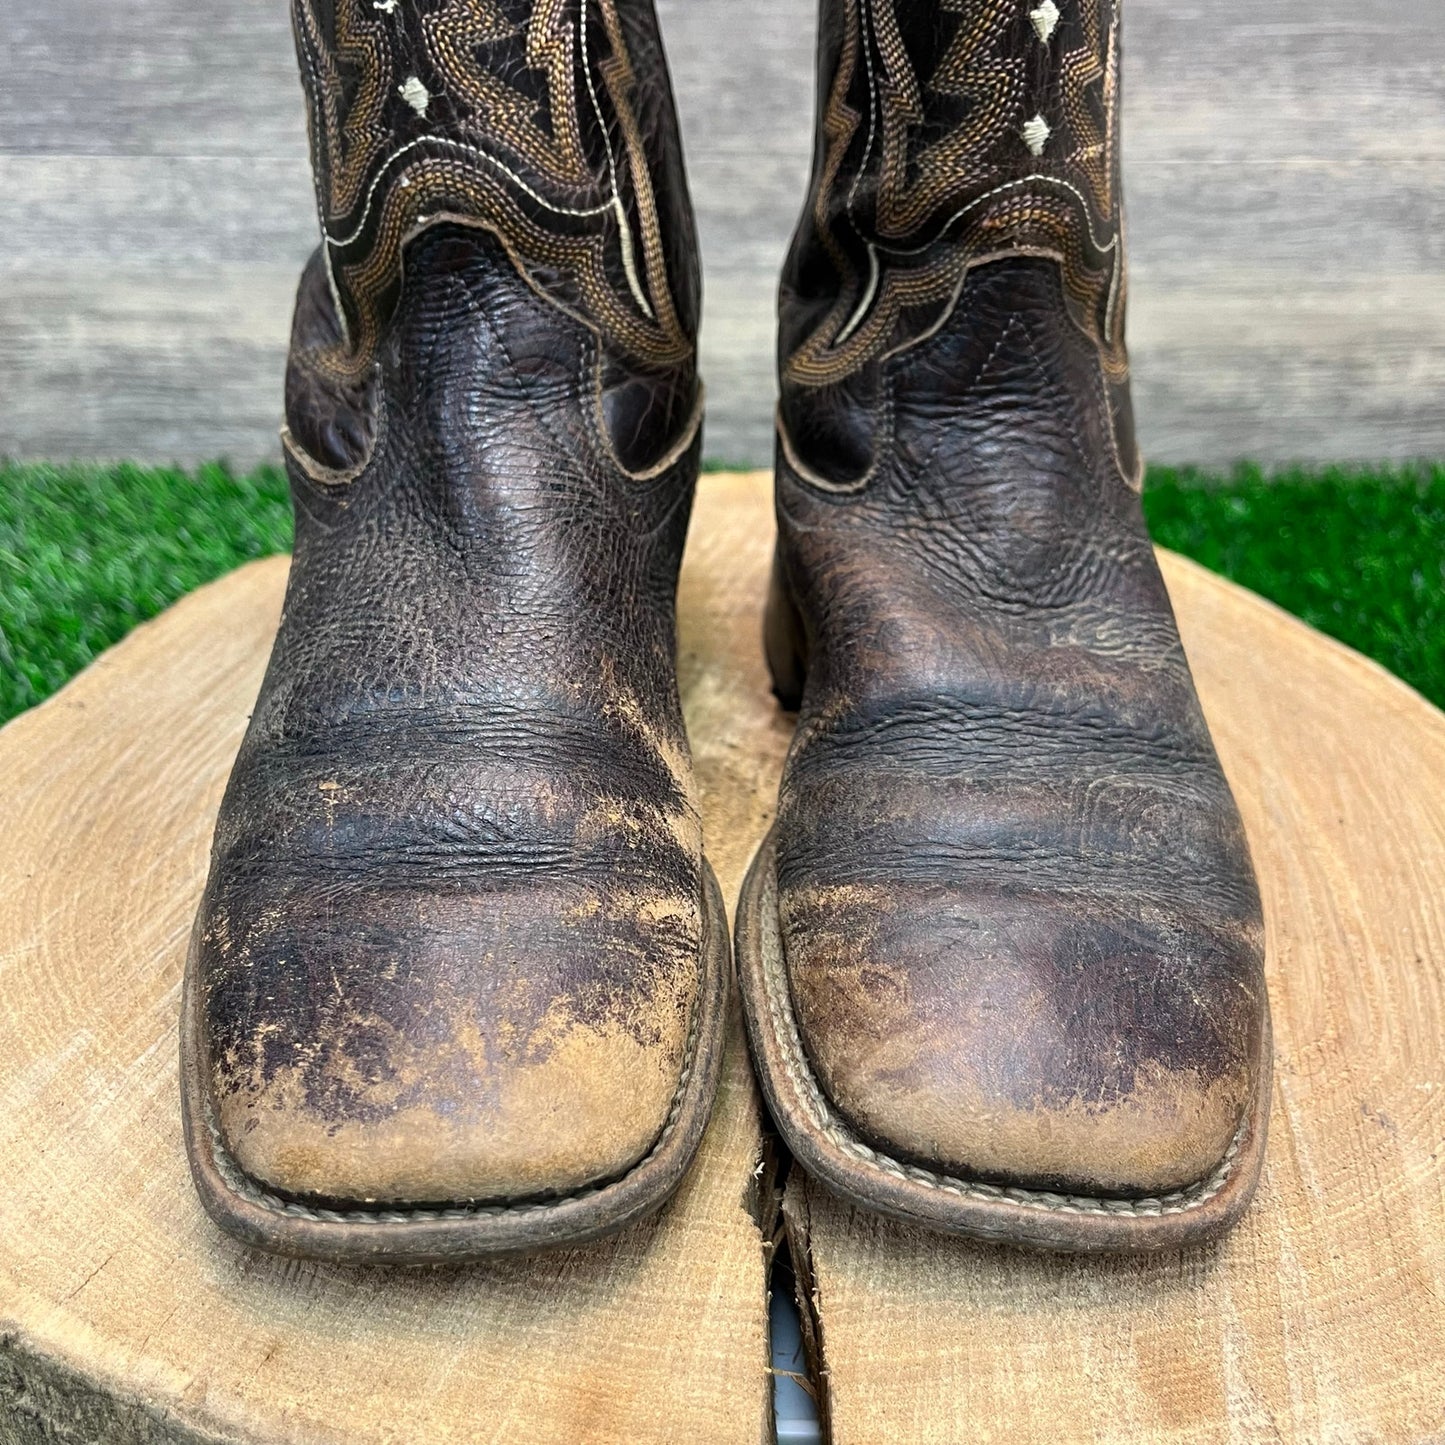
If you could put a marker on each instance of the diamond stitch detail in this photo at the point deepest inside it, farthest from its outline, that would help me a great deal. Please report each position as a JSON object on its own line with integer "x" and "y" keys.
{"x": 1036, "y": 133}
{"x": 1045, "y": 18}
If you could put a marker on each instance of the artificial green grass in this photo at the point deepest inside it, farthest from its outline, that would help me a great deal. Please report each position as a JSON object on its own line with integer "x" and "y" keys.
{"x": 86, "y": 552}
{"x": 1359, "y": 555}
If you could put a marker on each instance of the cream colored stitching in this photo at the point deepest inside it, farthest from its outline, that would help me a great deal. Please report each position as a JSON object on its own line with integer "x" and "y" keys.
{"x": 446, "y": 143}
{"x": 415, "y": 94}
{"x": 874, "y": 275}
{"x": 624, "y": 226}
{"x": 1045, "y": 18}
{"x": 856, "y": 320}
{"x": 855, "y": 329}
{"x": 1037, "y": 178}
{"x": 785, "y": 1029}
{"x": 1036, "y": 133}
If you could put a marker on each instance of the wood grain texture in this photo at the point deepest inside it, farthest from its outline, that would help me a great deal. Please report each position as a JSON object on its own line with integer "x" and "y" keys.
{"x": 125, "y": 1317}
{"x": 1323, "y": 1316}
{"x": 1285, "y": 171}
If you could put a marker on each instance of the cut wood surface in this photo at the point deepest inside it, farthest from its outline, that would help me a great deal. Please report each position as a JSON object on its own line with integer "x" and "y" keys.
{"x": 1284, "y": 169}
{"x": 124, "y": 1316}
{"x": 1322, "y": 1318}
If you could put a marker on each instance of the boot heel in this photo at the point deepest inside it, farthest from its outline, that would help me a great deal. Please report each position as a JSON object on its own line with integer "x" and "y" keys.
{"x": 784, "y": 642}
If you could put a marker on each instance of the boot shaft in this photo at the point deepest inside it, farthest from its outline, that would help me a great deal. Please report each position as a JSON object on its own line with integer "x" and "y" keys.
{"x": 548, "y": 123}
{"x": 952, "y": 134}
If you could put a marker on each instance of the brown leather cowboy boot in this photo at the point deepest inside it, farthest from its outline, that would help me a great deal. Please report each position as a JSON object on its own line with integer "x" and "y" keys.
{"x": 457, "y": 984}
{"x": 1001, "y": 953}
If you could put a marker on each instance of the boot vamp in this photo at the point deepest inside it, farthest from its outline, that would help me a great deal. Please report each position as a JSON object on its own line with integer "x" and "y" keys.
{"x": 1023, "y": 945}
{"x": 1021, "y": 928}
{"x": 1020, "y": 921}
{"x": 450, "y": 945}
{"x": 449, "y": 960}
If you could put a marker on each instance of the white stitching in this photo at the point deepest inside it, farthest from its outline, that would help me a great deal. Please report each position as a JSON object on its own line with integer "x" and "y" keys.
{"x": 1045, "y": 19}
{"x": 865, "y": 37}
{"x": 1113, "y": 246}
{"x": 624, "y": 226}
{"x": 1036, "y": 133}
{"x": 475, "y": 153}
{"x": 324, "y": 139}
{"x": 323, "y": 477}
{"x": 785, "y": 1030}
{"x": 998, "y": 191}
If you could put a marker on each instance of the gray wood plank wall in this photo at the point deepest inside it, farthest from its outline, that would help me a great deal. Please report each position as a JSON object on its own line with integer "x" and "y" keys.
{"x": 1285, "y": 166}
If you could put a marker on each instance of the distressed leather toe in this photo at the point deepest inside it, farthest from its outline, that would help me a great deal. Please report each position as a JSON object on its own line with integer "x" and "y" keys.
{"x": 542, "y": 1054}
{"x": 995, "y": 1034}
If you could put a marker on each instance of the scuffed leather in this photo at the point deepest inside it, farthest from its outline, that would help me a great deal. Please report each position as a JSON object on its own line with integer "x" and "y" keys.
{"x": 1021, "y": 929}
{"x": 449, "y": 945}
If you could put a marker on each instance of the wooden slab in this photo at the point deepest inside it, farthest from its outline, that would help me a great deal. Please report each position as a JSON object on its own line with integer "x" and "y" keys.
{"x": 1323, "y": 1316}
{"x": 124, "y": 1316}
{"x": 1285, "y": 171}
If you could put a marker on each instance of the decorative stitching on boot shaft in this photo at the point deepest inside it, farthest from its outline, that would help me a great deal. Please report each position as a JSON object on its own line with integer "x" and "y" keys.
{"x": 464, "y": 110}
{"x": 1006, "y": 147}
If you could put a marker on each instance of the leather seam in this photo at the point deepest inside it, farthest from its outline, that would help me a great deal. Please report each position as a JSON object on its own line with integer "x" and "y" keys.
{"x": 884, "y": 414}
{"x": 590, "y": 389}
{"x": 334, "y": 483}
{"x": 251, "y": 1190}
{"x": 824, "y": 1117}
{"x": 1134, "y": 483}
{"x": 1068, "y": 410}
{"x": 323, "y": 477}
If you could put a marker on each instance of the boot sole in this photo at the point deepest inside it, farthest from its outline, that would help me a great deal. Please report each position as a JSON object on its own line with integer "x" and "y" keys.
{"x": 441, "y": 1233}
{"x": 833, "y": 1153}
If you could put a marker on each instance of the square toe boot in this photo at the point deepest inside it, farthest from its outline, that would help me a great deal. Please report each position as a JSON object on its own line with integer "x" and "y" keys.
{"x": 457, "y": 981}
{"x": 1002, "y": 952}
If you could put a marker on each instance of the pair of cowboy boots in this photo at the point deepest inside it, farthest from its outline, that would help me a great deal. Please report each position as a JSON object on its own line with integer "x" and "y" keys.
{"x": 459, "y": 978}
